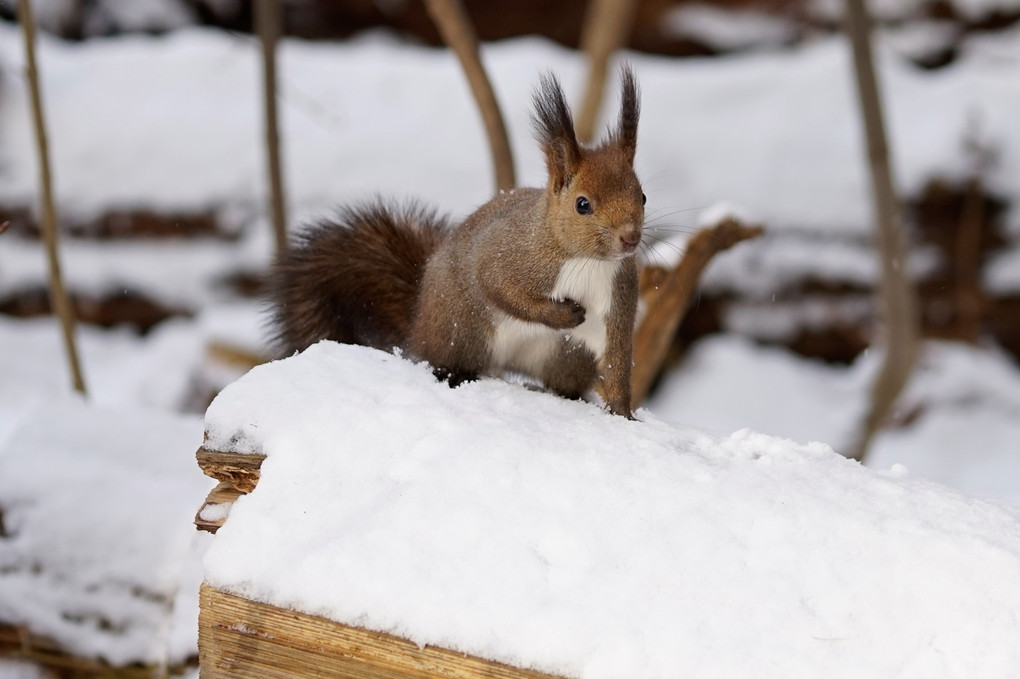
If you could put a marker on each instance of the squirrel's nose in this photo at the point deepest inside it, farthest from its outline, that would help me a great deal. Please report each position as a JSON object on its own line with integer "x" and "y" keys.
{"x": 630, "y": 239}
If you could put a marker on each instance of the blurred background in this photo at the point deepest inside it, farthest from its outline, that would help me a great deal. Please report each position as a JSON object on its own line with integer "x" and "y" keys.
{"x": 155, "y": 119}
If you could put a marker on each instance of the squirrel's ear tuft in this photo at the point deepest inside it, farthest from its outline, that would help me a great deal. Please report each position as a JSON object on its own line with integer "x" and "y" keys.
{"x": 630, "y": 110}
{"x": 554, "y": 129}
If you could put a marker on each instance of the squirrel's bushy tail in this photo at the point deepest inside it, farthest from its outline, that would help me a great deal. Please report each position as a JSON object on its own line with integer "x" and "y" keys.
{"x": 354, "y": 279}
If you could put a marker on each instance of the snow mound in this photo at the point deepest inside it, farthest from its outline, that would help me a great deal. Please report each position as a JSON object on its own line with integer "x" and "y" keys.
{"x": 97, "y": 544}
{"x": 521, "y": 527}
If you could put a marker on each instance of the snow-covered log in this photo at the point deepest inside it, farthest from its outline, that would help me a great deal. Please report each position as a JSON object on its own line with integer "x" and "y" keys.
{"x": 513, "y": 526}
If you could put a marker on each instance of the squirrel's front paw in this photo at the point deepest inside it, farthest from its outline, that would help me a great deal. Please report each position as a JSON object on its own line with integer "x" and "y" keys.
{"x": 569, "y": 314}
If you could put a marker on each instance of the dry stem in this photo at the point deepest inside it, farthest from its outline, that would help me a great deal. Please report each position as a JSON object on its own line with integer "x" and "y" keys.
{"x": 268, "y": 22}
{"x": 896, "y": 295}
{"x": 606, "y": 27}
{"x": 455, "y": 27}
{"x": 58, "y": 294}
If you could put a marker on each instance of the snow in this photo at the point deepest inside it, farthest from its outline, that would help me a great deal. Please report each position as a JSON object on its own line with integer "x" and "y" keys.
{"x": 105, "y": 16}
{"x": 99, "y": 497}
{"x": 97, "y": 506}
{"x": 923, "y": 40}
{"x": 525, "y": 528}
{"x": 964, "y": 403}
{"x": 728, "y": 383}
{"x": 14, "y": 669}
{"x": 727, "y": 30}
{"x": 1001, "y": 274}
{"x": 900, "y": 10}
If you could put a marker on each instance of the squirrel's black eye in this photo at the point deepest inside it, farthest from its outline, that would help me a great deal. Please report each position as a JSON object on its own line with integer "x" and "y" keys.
{"x": 583, "y": 206}
{"x": 644, "y": 199}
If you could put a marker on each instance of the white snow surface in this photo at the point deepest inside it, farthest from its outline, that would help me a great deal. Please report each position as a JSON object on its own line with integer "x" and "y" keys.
{"x": 18, "y": 669}
{"x": 727, "y": 30}
{"x": 961, "y": 407}
{"x": 525, "y": 528}
{"x": 900, "y": 10}
{"x": 97, "y": 507}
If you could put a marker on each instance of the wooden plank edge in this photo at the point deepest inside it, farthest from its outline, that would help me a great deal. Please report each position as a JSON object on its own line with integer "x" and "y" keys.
{"x": 18, "y": 643}
{"x": 237, "y": 469}
{"x": 216, "y": 508}
{"x": 244, "y": 639}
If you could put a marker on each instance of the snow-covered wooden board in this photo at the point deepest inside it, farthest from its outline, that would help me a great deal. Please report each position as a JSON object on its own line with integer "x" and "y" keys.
{"x": 515, "y": 526}
{"x": 244, "y": 639}
{"x": 240, "y": 638}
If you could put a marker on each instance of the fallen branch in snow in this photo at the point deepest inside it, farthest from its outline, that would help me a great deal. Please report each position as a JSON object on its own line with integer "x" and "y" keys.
{"x": 667, "y": 293}
{"x": 455, "y": 27}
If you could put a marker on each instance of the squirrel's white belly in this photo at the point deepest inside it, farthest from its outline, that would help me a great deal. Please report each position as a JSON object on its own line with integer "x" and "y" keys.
{"x": 526, "y": 346}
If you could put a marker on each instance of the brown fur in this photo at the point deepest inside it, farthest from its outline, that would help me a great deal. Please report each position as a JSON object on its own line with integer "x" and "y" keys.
{"x": 355, "y": 279}
{"x": 365, "y": 280}
{"x": 506, "y": 257}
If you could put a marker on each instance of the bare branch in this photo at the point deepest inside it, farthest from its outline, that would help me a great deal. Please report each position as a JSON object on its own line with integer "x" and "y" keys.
{"x": 667, "y": 293}
{"x": 58, "y": 294}
{"x": 970, "y": 301}
{"x": 268, "y": 24}
{"x": 455, "y": 27}
{"x": 606, "y": 28}
{"x": 897, "y": 298}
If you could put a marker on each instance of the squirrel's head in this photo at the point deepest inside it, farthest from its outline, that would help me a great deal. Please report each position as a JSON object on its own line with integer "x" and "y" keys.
{"x": 594, "y": 198}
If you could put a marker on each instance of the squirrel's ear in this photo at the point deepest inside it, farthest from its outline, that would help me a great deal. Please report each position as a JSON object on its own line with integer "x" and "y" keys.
{"x": 554, "y": 129}
{"x": 630, "y": 111}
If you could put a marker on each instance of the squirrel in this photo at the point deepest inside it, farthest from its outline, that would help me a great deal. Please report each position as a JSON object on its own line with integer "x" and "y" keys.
{"x": 537, "y": 281}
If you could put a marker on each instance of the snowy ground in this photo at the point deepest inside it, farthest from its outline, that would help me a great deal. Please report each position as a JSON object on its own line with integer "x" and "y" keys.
{"x": 171, "y": 123}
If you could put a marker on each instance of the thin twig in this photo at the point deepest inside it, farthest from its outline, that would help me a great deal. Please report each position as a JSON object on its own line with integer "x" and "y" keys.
{"x": 897, "y": 298}
{"x": 455, "y": 27}
{"x": 667, "y": 293}
{"x": 268, "y": 23}
{"x": 970, "y": 301}
{"x": 58, "y": 294}
{"x": 606, "y": 28}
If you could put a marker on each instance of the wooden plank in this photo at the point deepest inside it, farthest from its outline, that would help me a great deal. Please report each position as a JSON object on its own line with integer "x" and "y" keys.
{"x": 222, "y": 494}
{"x": 18, "y": 643}
{"x": 239, "y": 470}
{"x": 243, "y": 639}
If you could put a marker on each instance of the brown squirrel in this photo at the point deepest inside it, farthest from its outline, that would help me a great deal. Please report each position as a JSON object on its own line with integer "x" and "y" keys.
{"x": 542, "y": 282}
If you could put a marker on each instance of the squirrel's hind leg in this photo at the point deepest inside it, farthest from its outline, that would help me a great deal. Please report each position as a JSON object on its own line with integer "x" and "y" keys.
{"x": 571, "y": 369}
